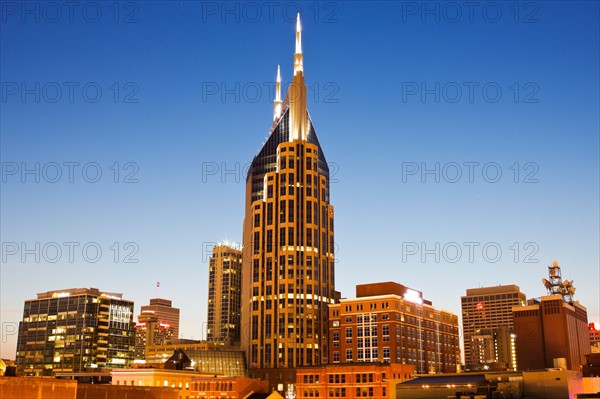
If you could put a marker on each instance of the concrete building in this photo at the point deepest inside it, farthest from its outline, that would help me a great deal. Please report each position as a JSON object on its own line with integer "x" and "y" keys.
{"x": 488, "y": 328}
{"x": 75, "y": 330}
{"x": 288, "y": 263}
{"x": 164, "y": 311}
{"x": 224, "y": 295}
{"x": 350, "y": 380}
{"x": 390, "y": 323}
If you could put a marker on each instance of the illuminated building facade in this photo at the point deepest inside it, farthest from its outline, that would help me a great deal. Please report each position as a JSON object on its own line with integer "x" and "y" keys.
{"x": 594, "y": 329}
{"x": 391, "y": 323}
{"x": 224, "y": 295}
{"x": 165, "y": 312}
{"x": 149, "y": 330}
{"x": 206, "y": 357}
{"x": 351, "y": 380}
{"x": 488, "y": 328}
{"x": 75, "y": 330}
{"x": 288, "y": 262}
{"x": 227, "y": 387}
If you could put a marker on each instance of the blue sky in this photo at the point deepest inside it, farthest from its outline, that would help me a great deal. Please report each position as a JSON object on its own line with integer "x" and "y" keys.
{"x": 175, "y": 96}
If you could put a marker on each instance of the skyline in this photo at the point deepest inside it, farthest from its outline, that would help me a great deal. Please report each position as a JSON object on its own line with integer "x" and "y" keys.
{"x": 178, "y": 131}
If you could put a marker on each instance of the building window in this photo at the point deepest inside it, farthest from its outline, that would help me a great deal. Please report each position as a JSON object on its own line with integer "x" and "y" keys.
{"x": 348, "y": 335}
{"x": 349, "y": 355}
{"x": 336, "y": 357}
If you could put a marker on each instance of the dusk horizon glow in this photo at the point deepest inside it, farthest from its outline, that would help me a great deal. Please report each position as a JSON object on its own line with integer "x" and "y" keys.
{"x": 463, "y": 151}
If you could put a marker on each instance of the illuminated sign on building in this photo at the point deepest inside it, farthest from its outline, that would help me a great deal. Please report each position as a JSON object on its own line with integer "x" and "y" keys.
{"x": 413, "y": 296}
{"x": 119, "y": 313}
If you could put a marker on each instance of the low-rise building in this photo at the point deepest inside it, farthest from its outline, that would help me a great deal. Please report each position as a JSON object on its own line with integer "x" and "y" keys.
{"x": 350, "y": 380}
{"x": 227, "y": 387}
{"x": 152, "y": 377}
{"x": 545, "y": 384}
{"x": 205, "y": 357}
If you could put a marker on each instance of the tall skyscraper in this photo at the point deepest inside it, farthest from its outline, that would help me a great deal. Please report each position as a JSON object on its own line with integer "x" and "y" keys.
{"x": 224, "y": 295}
{"x": 288, "y": 263}
{"x": 488, "y": 324}
{"x": 164, "y": 311}
{"x": 390, "y": 323}
{"x": 75, "y": 330}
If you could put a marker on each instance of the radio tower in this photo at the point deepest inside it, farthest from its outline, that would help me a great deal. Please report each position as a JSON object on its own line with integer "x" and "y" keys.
{"x": 556, "y": 286}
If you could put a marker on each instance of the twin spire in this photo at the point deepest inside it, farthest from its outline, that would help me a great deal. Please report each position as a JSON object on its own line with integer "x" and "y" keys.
{"x": 298, "y": 67}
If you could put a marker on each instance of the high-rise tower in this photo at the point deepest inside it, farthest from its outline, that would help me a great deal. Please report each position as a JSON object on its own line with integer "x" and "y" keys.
{"x": 488, "y": 324}
{"x": 224, "y": 285}
{"x": 288, "y": 256}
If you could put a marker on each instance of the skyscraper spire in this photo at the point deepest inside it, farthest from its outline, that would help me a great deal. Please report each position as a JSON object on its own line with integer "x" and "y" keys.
{"x": 298, "y": 59}
{"x": 277, "y": 102}
{"x": 297, "y": 91}
{"x": 289, "y": 223}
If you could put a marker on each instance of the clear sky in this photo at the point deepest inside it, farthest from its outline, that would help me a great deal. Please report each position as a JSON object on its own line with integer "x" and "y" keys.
{"x": 173, "y": 99}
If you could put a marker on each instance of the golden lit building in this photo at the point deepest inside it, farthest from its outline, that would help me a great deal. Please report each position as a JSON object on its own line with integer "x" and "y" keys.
{"x": 224, "y": 295}
{"x": 288, "y": 263}
{"x": 351, "y": 380}
{"x": 391, "y": 323}
{"x": 594, "y": 329}
{"x": 227, "y": 387}
{"x": 152, "y": 377}
{"x": 488, "y": 328}
{"x": 206, "y": 357}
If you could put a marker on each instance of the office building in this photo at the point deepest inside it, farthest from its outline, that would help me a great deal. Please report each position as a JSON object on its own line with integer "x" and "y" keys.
{"x": 149, "y": 330}
{"x": 224, "y": 295}
{"x": 75, "y": 330}
{"x": 288, "y": 262}
{"x": 488, "y": 326}
{"x": 391, "y": 323}
{"x": 164, "y": 311}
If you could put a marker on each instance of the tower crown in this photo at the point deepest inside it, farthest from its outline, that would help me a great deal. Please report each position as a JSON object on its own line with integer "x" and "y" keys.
{"x": 298, "y": 58}
{"x": 297, "y": 92}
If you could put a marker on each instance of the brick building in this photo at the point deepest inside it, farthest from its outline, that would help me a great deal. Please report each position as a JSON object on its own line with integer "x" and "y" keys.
{"x": 390, "y": 323}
